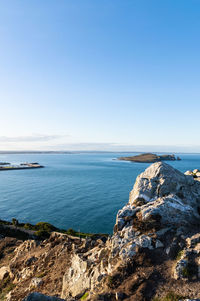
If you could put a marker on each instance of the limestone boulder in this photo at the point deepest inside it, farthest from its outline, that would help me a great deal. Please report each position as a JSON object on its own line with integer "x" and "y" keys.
{"x": 164, "y": 191}
{"x": 85, "y": 273}
{"x": 162, "y": 199}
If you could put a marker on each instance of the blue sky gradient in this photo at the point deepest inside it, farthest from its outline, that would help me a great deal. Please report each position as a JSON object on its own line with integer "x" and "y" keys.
{"x": 104, "y": 75}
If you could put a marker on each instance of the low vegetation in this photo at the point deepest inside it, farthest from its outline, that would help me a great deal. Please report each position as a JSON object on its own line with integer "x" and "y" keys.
{"x": 84, "y": 297}
{"x": 180, "y": 254}
{"x": 171, "y": 296}
{"x": 41, "y": 230}
{"x": 6, "y": 286}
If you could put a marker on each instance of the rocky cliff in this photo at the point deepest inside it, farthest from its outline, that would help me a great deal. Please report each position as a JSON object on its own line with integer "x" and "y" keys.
{"x": 153, "y": 254}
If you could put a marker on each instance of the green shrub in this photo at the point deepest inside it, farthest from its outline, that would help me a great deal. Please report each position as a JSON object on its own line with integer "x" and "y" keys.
{"x": 84, "y": 297}
{"x": 28, "y": 226}
{"x": 71, "y": 231}
{"x": 110, "y": 281}
{"x": 42, "y": 234}
{"x": 185, "y": 272}
{"x": 15, "y": 222}
{"x": 179, "y": 255}
{"x": 2, "y": 222}
{"x": 45, "y": 226}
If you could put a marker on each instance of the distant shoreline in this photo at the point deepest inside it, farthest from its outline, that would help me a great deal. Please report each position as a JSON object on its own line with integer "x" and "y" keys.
{"x": 17, "y": 168}
{"x": 5, "y": 152}
{"x": 8, "y": 166}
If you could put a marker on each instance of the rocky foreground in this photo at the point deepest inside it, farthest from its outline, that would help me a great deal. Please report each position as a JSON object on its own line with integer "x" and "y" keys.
{"x": 154, "y": 253}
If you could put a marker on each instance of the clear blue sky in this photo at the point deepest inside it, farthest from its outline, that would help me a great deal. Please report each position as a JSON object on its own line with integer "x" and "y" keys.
{"x": 100, "y": 74}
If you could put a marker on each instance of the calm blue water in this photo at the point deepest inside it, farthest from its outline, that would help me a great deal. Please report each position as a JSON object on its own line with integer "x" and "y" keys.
{"x": 81, "y": 191}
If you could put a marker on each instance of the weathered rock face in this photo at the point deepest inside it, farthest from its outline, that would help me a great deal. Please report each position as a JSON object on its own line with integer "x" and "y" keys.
{"x": 162, "y": 198}
{"x": 165, "y": 192}
{"x": 195, "y": 174}
{"x": 86, "y": 272}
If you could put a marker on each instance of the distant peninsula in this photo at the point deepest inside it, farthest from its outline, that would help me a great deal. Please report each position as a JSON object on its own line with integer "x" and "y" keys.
{"x": 9, "y": 166}
{"x": 149, "y": 158}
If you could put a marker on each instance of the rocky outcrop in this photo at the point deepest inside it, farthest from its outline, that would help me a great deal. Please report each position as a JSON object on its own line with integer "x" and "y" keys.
{"x": 195, "y": 174}
{"x": 87, "y": 270}
{"x": 161, "y": 197}
{"x": 155, "y": 246}
{"x": 163, "y": 203}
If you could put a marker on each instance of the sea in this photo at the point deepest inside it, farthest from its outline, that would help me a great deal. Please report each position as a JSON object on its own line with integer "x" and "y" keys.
{"x": 82, "y": 191}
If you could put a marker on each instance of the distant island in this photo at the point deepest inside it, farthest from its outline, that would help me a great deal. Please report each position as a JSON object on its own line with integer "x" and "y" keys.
{"x": 9, "y": 166}
{"x": 149, "y": 158}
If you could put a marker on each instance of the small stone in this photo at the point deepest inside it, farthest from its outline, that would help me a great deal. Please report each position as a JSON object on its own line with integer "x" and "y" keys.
{"x": 36, "y": 282}
{"x": 119, "y": 296}
{"x": 4, "y": 272}
{"x": 144, "y": 241}
{"x": 159, "y": 244}
{"x": 193, "y": 240}
{"x": 163, "y": 231}
{"x": 188, "y": 173}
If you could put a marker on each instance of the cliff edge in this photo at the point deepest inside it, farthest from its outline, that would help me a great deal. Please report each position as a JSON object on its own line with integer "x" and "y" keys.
{"x": 153, "y": 254}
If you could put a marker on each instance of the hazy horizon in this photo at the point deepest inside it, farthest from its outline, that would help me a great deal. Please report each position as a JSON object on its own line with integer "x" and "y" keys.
{"x": 112, "y": 148}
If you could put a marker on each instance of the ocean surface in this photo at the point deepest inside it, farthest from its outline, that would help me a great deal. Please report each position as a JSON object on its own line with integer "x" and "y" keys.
{"x": 81, "y": 191}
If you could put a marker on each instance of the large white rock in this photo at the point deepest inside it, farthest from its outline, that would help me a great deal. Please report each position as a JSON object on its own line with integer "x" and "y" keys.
{"x": 163, "y": 199}
{"x": 163, "y": 190}
{"x": 74, "y": 281}
{"x": 161, "y": 195}
{"x": 158, "y": 180}
{"x": 84, "y": 273}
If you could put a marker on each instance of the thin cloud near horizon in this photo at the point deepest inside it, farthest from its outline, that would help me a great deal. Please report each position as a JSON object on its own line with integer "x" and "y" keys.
{"x": 57, "y": 142}
{"x": 31, "y": 138}
{"x": 124, "y": 147}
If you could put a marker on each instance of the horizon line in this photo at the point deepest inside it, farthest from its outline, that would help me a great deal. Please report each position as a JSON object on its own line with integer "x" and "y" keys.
{"x": 89, "y": 151}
